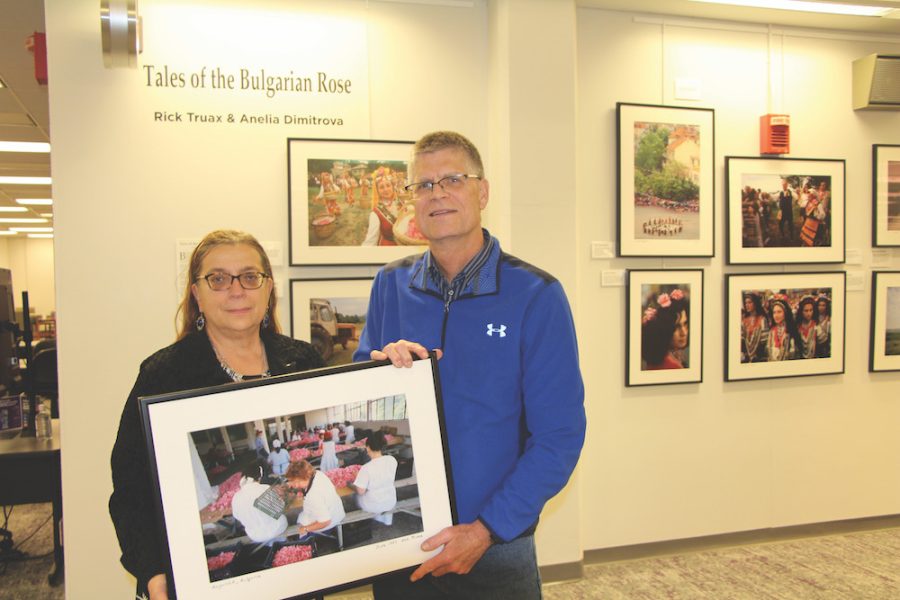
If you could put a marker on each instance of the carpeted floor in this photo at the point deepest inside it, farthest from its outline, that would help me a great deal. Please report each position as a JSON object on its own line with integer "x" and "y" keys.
{"x": 851, "y": 566}
{"x": 26, "y": 578}
{"x": 854, "y": 566}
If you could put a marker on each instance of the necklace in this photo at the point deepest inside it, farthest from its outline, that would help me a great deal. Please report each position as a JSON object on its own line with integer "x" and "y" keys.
{"x": 235, "y": 376}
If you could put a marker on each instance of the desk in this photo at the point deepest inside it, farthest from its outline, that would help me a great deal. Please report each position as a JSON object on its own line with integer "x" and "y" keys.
{"x": 30, "y": 473}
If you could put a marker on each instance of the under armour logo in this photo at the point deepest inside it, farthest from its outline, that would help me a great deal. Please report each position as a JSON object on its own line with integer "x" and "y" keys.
{"x": 491, "y": 330}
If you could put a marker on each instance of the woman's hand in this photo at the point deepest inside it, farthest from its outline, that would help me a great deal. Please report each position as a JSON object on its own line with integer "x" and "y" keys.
{"x": 157, "y": 587}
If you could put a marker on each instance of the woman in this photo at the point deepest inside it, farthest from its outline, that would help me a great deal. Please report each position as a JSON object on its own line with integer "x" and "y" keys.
{"x": 278, "y": 458}
{"x": 823, "y": 310}
{"x": 228, "y": 331}
{"x": 263, "y": 518}
{"x": 807, "y": 327}
{"x": 753, "y": 330}
{"x": 784, "y": 341}
{"x": 664, "y": 332}
{"x": 350, "y": 436}
{"x": 329, "y": 457}
{"x": 374, "y": 483}
{"x": 322, "y": 507}
{"x": 385, "y": 210}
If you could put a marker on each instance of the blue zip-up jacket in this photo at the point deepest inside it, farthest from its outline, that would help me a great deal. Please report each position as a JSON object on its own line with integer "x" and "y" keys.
{"x": 512, "y": 390}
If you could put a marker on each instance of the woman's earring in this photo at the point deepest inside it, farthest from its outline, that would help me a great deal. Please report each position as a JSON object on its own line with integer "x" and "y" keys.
{"x": 201, "y": 322}
{"x": 265, "y": 321}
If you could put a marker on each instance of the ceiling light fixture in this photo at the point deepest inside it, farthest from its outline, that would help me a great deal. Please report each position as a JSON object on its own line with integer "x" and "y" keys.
{"x": 35, "y": 201}
{"x": 4, "y": 232}
{"x": 8, "y": 209}
{"x": 41, "y": 235}
{"x": 856, "y": 10}
{"x": 48, "y": 215}
{"x": 21, "y": 220}
{"x": 25, "y": 180}
{"x": 24, "y": 147}
{"x": 32, "y": 229}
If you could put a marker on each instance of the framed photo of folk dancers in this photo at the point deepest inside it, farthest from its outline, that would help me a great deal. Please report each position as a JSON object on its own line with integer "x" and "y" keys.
{"x": 664, "y": 317}
{"x": 346, "y": 202}
{"x": 666, "y": 180}
{"x": 784, "y": 324}
{"x": 784, "y": 210}
{"x": 242, "y": 471}
{"x": 884, "y": 345}
{"x": 885, "y": 195}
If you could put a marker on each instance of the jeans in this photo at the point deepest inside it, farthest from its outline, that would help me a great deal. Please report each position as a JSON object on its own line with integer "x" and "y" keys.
{"x": 506, "y": 571}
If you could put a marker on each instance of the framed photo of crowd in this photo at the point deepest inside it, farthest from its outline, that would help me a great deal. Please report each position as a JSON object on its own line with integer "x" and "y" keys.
{"x": 666, "y": 180}
{"x": 885, "y": 195}
{"x": 884, "y": 345}
{"x": 236, "y": 520}
{"x": 664, "y": 320}
{"x": 330, "y": 314}
{"x": 784, "y": 210}
{"x": 346, "y": 202}
{"x": 784, "y": 325}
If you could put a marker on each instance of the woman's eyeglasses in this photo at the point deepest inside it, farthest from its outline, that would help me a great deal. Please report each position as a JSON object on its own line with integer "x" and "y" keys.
{"x": 219, "y": 282}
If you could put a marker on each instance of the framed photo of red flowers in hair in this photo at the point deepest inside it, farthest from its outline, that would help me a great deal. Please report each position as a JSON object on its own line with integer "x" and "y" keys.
{"x": 664, "y": 316}
{"x": 884, "y": 341}
{"x": 784, "y": 325}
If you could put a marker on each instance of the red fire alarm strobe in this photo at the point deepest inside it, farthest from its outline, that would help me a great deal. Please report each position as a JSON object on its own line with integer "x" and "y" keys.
{"x": 774, "y": 134}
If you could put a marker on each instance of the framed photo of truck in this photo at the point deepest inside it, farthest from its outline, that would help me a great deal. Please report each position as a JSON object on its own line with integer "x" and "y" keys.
{"x": 330, "y": 314}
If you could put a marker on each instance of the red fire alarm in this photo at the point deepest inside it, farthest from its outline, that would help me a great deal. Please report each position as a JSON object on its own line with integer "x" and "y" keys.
{"x": 774, "y": 134}
{"x": 37, "y": 44}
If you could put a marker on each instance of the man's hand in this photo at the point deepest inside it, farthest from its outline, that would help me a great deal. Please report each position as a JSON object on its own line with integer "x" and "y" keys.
{"x": 401, "y": 353}
{"x": 157, "y": 587}
{"x": 463, "y": 545}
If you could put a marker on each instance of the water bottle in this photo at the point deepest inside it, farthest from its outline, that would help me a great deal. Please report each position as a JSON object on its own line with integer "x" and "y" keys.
{"x": 43, "y": 422}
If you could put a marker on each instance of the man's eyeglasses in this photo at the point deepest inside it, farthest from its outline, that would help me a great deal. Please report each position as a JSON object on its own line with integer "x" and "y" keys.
{"x": 450, "y": 183}
{"x": 219, "y": 282}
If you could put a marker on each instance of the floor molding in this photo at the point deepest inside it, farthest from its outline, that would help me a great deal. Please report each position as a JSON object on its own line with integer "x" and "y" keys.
{"x": 756, "y": 536}
{"x": 562, "y": 572}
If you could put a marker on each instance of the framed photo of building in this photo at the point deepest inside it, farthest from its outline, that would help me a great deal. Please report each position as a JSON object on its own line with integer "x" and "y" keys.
{"x": 330, "y": 314}
{"x": 885, "y": 195}
{"x": 666, "y": 180}
{"x": 235, "y": 524}
{"x": 784, "y": 210}
{"x": 884, "y": 344}
{"x": 784, "y": 325}
{"x": 346, "y": 202}
{"x": 664, "y": 317}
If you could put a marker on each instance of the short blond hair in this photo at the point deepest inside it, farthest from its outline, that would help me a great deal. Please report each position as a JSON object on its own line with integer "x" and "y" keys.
{"x": 442, "y": 140}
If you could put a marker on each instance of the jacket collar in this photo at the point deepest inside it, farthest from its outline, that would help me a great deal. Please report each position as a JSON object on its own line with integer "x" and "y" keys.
{"x": 487, "y": 281}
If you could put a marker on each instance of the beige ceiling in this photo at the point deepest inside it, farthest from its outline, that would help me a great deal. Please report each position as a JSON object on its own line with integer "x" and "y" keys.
{"x": 24, "y": 112}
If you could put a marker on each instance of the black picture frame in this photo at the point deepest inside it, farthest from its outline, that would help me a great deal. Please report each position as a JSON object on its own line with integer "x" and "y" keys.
{"x": 329, "y": 221}
{"x": 758, "y": 231}
{"x": 170, "y": 422}
{"x": 886, "y": 195}
{"x": 884, "y": 331}
{"x": 798, "y": 349}
{"x": 651, "y": 294}
{"x": 656, "y": 216}
{"x": 330, "y": 311}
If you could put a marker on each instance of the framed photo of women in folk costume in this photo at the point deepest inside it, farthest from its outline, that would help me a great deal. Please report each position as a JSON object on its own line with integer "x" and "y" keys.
{"x": 664, "y": 316}
{"x": 784, "y": 325}
{"x": 784, "y": 210}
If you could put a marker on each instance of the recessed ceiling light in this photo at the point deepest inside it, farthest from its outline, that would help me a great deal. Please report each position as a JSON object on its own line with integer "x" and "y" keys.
{"x": 48, "y": 215}
{"x": 13, "y": 209}
{"x": 24, "y": 147}
{"x": 26, "y": 180}
{"x": 32, "y": 229}
{"x": 35, "y": 201}
{"x": 21, "y": 220}
{"x": 857, "y": 10}
{"x": 40, "y": 235}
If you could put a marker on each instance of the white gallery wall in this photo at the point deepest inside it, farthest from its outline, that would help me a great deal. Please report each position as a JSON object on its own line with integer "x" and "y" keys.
{"x": 671, "y": 462}
{"x": 534, "y": 84}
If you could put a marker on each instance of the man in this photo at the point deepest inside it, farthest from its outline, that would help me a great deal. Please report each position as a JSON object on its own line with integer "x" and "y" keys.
{"x": 786, "y": 206}
{"x": 512, "y": 390}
